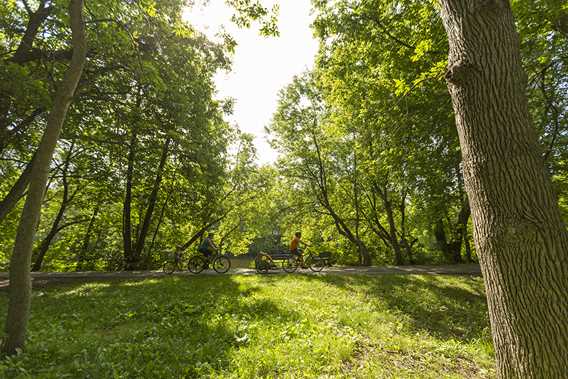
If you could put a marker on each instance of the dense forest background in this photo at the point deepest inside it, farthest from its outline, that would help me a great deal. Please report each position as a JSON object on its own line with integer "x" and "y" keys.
{"x": 370, "y": 164}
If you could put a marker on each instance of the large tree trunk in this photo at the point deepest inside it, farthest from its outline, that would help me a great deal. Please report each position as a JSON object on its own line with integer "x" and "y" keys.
{"x": 20, "y": 280}
{"x": 520, "y": 239}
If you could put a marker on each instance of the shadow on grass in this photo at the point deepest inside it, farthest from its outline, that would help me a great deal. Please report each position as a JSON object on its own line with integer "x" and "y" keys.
{"x": 167, "y": 327}
{"x": 441, "y": 306}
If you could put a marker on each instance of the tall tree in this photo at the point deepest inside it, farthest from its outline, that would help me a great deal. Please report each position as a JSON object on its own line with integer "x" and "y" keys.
{"x": 310, "y": 142}
{"x": 20, "y": 280}
{"x": 519, "y": 236}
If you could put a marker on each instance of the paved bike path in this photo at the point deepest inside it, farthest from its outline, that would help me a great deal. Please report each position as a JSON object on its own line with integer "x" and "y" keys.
{"x": 44, "y": 278}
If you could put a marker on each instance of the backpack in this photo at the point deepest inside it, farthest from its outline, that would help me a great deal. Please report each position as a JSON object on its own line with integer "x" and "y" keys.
{"x": 203, "y": 247}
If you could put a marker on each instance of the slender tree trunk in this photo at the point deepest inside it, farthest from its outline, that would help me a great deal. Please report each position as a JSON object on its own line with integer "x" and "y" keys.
{"x": 10, "y": 135}
{"x": 520, "y": 239}
{"x": 197, "y": 235}
{"x": 323, "y": 198}
{"x": 139, "y": 247}
{"x": 461, "y": 232}
{"x": 408, "y": 248}
{"x": 158, "y": 225}
{"x": 364, "y": 257}
{"x": 17, "y": 190}
{"x": 344, "y": 230}
{"x": 127, "y": 204}
{"x": 26, "y": 43}
{"x": 375, "y": 224}
{"x": 46, "y": 242}
{"x": 403, "y": 235}
{"x": 82, "y": 256}
{"x": 20, "y": 280}
{"x": 441, "y": 239}
{"x": 393, "y": 237}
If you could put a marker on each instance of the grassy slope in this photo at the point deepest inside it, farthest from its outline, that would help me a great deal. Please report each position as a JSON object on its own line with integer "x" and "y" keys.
{"x": 275, "y": 326}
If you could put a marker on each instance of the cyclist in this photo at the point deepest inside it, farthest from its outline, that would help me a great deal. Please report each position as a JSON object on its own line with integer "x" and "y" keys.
{"x": 208, "y": 247}
{"x": 295, "y": 246}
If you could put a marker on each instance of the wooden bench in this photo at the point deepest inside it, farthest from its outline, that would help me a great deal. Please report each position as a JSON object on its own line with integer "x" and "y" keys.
{"x": 279, "y": 255}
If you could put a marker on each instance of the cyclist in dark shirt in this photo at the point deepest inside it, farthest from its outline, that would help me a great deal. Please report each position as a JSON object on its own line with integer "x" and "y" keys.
{"x": 207, "y": 246}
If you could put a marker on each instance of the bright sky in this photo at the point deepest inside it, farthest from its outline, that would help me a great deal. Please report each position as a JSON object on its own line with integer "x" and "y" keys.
{"x": 261, "y": 65}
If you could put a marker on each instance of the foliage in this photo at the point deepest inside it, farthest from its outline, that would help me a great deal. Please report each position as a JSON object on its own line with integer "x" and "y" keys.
{"x": 376, "y": 103}
{"x": 147, "y": 96}
{"x": 370, "y": 163}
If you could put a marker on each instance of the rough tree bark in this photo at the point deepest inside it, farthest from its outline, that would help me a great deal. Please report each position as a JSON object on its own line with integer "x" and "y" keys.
{"x": 20, "y": 280}
{"x": 519, "y": 236}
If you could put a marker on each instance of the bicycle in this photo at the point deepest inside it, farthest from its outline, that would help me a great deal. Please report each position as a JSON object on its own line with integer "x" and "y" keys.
{"x": 221, "y": 264}
{"x": 264, "y": 262}
{"x": 305, "y": 261}
{"x": 174, "y": 264}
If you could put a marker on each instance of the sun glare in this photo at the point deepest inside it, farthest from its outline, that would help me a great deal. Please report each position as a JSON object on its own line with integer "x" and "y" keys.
{"x": 261, "y": 65}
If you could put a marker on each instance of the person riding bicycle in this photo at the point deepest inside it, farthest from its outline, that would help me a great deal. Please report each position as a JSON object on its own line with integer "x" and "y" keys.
{"x": 295, "y": 245}
{"x": 207, "y": 246}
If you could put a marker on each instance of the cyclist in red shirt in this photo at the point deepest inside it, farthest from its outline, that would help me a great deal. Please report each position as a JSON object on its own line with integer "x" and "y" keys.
{"x": 295, "y": 244}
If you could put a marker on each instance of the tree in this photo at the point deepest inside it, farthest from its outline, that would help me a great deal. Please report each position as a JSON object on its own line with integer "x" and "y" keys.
{"x": 304, "y": 133}
{"x": 519, "y": 235}
{"x": 20, "y": 281}
{"x": 388, "y": 93}
{"x": 143, "y": 45}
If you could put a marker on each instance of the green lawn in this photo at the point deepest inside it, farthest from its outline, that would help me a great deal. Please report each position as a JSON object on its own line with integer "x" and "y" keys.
{"x": 259, "y": 326}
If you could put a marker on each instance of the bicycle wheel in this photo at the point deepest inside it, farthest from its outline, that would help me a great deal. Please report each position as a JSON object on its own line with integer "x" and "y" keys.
{"x": 262, "y": 264}
{"x": 316, "y": 264}
{"x": 169, "y": 267}
{"x": 196, "y": 264}
{"x": 291, "y": 264}
{"x": 221, "y": 264}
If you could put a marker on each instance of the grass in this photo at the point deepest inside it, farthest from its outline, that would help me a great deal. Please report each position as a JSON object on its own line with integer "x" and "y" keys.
{"x": 259, "y": 326}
